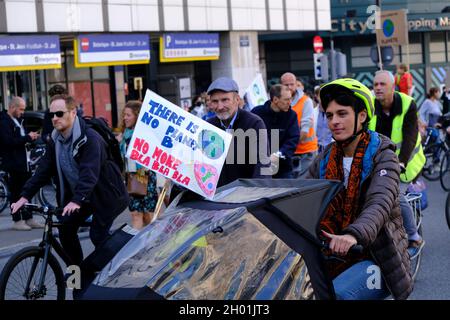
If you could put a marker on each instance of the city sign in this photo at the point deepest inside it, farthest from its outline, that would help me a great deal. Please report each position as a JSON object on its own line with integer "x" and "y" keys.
{"x": 111, "y": 49}
{"x": 175, "y": 47}
{"x": 416, "y": 23}
{"x": 29, "y": 53}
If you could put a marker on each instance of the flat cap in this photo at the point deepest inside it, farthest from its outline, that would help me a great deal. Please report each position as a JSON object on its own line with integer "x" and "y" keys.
{"x": 223, "y": 84}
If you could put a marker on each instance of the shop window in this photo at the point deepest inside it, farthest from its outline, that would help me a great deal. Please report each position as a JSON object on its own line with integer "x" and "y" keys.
{"x": 2, "y": 106}
{"x": 448, "y": 46}
{"x": 437, "y": 47}
{"x": 102, "y": 94}
{"x": 41, "y": 92}
{"x": 19, "y": 84}
{"x": 57, "y": 76}
{"x": 361, "y": 57}
{"x": 79, "y": 85}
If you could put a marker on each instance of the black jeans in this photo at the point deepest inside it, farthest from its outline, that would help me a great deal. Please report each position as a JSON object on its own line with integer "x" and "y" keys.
{"x": 68, "y": 233}
{"x": 16, "y": 182}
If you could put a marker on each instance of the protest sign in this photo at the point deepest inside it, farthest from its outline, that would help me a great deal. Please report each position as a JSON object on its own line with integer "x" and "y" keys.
{"x": 256, "y": 92}
{"x": 179, "y": 145}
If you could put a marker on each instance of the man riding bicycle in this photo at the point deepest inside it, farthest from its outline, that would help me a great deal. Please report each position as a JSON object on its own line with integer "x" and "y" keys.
{"x": 89, "y": 182}
{"x": 366, "y": 211}
{"x": 396, "y": 117}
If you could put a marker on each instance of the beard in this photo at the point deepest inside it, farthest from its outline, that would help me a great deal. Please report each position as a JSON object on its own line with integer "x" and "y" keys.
{"x": 224, "y": 115}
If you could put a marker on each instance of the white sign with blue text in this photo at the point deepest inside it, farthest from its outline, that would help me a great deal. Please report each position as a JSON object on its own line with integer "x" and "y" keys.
{"x": 179, "y": 145}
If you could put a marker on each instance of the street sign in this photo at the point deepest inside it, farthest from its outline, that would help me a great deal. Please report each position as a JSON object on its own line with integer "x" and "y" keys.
{"x": 95, "y": 50}
{"x": 29, "y": 53}
{"x": 176, "y": 47}
{"x": 318, "y": 44}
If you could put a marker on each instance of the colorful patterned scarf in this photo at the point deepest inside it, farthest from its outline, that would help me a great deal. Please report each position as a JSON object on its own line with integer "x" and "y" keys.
{"x": 343, "y": 209}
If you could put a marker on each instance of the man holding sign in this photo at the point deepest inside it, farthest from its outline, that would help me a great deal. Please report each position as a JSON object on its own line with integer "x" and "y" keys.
{"x": 249, "y": 155}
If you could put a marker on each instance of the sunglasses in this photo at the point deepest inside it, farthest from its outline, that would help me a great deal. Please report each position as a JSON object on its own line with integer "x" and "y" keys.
{"x": 59, "y": 114}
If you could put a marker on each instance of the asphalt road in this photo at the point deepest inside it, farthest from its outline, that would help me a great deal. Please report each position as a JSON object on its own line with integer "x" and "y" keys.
{"x": 433, "y": 280}
{"x": 432, "y": 283}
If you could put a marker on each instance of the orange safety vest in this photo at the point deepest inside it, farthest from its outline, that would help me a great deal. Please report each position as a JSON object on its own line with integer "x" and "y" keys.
{"x": 310, "y": 144}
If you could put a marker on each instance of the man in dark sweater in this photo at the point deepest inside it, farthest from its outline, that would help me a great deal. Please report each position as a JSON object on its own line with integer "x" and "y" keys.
{"x": 88, "y": 181}
{"x": 248, "y": 155}
{"x": 281, "y": 122}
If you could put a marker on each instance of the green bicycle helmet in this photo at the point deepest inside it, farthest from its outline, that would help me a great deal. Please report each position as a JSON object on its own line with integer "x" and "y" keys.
{"x": 354, "y": 88}
{"x": 329, "y": 90}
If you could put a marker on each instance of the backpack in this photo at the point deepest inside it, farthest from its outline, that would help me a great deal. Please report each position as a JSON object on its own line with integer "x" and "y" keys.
{"x": 101, "y": 126}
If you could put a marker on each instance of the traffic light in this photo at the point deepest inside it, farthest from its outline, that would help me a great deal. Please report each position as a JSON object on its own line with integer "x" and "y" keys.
{"x": 321, "y": 66}
{"x": 341, "y": 64}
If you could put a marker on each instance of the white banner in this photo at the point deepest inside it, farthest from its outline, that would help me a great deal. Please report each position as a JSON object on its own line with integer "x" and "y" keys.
{"x": 179, "y": 145}
{"x": 194, "y": 52}
{"x": 30, "y": 59}
{"x": 89, "y": 57}
{"x": 256, "y": 92}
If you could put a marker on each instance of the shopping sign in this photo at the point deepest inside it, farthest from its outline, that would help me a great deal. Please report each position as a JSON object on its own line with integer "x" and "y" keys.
{"x": 179, "y": 145}
{"x": 391, "y": 28}
{"x": 256, "y": 92}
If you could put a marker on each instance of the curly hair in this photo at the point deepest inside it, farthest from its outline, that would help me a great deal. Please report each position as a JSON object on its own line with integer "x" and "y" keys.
{"x": 57, "y": 89}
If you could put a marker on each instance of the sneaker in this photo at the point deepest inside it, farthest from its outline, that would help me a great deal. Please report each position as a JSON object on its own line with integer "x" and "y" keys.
{"x": 21, "y": 226}
{"x": 34, "y": 224}
{"x": 414, "y": 247}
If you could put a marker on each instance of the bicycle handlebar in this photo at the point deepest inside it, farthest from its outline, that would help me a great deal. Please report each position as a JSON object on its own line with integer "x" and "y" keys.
{"x": 42, "y": 209}
{"x": 356, "y": 248}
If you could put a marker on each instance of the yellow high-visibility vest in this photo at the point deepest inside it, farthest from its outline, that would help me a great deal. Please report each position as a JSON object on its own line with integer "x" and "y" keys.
{"x": 417, "y": 159}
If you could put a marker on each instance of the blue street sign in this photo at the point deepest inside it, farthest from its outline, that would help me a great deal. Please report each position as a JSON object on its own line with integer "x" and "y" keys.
{"x": 29, "y": 53}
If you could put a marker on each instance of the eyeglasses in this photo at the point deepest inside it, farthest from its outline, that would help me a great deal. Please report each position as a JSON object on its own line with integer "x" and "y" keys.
{"x": 59, "y": 114}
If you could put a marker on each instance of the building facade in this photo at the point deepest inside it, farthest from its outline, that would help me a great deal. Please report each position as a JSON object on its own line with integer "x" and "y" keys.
{"x": 103, "y": 89}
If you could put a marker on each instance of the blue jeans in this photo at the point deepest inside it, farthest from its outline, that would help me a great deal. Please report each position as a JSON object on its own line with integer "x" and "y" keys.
{"x": 301, "y": 163}
{"x": 362, "y": 281}
{"x": 408, "y": 215}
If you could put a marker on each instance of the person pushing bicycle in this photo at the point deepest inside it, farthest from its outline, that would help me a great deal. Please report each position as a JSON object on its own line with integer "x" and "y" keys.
{"x": 366, "y": 211}
{"x": 89, "y": 182}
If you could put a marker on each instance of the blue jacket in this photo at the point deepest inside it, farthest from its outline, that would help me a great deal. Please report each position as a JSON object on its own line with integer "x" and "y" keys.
{"x": 289, "y": 132}
{"x": 100, "y": 184}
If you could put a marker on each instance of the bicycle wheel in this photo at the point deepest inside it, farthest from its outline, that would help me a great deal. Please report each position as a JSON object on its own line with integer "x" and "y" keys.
{"x": 444, "y": 175}
{"x": 417, "y": 259}
{"x": 414, "y": 201}
{"x": 3, "y": 196}
{"x": 26, "y": 265}
{"x": 434, "y": 155}
{"x": 47, "y": 195}
{"x": 447, "y": 210}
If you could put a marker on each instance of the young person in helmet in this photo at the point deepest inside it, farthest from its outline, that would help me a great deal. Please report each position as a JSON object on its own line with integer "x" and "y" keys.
{"x": 366, "y": 211}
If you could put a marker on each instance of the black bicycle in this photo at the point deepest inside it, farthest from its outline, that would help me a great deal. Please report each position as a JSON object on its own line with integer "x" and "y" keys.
{"x": 34, "y": 272}
{"x": 4, "y": 192}
{"x": 435, "y": 147}
{"x": 447, "y": 210}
